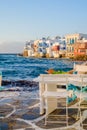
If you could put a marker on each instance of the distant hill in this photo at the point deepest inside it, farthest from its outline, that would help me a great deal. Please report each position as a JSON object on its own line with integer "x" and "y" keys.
{"x": 11, "y": 47}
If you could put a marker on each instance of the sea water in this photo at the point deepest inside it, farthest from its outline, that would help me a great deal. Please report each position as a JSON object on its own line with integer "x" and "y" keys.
{"x": 14, "y": 67}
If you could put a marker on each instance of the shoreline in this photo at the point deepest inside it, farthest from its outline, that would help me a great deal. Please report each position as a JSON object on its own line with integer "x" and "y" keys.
{"x": 20, "y": 82}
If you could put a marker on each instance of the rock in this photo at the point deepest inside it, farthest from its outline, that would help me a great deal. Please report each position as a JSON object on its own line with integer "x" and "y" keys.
{"x": 27, "y": 85}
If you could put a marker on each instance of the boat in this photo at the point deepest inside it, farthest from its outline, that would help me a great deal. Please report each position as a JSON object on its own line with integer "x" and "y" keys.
{"x": 77, "y": 69}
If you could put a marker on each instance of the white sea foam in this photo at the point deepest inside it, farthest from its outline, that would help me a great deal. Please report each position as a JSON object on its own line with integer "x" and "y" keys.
{"x": 8, "y": 94}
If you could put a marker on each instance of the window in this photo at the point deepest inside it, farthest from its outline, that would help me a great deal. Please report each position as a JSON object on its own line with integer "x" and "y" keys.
{"x": 82, "y": 50}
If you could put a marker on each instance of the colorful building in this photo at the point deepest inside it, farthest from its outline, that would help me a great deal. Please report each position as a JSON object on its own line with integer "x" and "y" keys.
{"x": 55, "y": 50}
{"x": 80, "y": 48}
{"x": 57, "y": 47}
{"x": 70, "y": 40}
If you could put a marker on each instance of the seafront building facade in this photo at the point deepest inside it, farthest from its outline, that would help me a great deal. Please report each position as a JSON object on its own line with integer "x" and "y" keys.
{"x": 80, "y": 48}
{"x": 50, "y": 48}
{"x": 69, "y": 46}
{"x": 71, "y": 39}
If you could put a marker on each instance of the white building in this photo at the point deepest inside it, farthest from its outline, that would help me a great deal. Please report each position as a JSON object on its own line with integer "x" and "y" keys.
{"x": 51, "y": 47}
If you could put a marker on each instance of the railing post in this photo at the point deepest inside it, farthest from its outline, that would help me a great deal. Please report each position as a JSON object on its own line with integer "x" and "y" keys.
{"x": 41, "y": 90}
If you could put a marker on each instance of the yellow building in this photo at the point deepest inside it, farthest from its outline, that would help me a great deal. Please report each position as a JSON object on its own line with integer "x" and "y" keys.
{"x": 25, "y": 53}
{"x": 70, "y": 40}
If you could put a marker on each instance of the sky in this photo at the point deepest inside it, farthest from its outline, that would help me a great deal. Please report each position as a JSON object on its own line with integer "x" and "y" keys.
{"x": 22, "y": 20}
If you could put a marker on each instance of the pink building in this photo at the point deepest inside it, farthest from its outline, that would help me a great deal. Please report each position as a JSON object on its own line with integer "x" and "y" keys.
{"x": 80, "y": 48}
